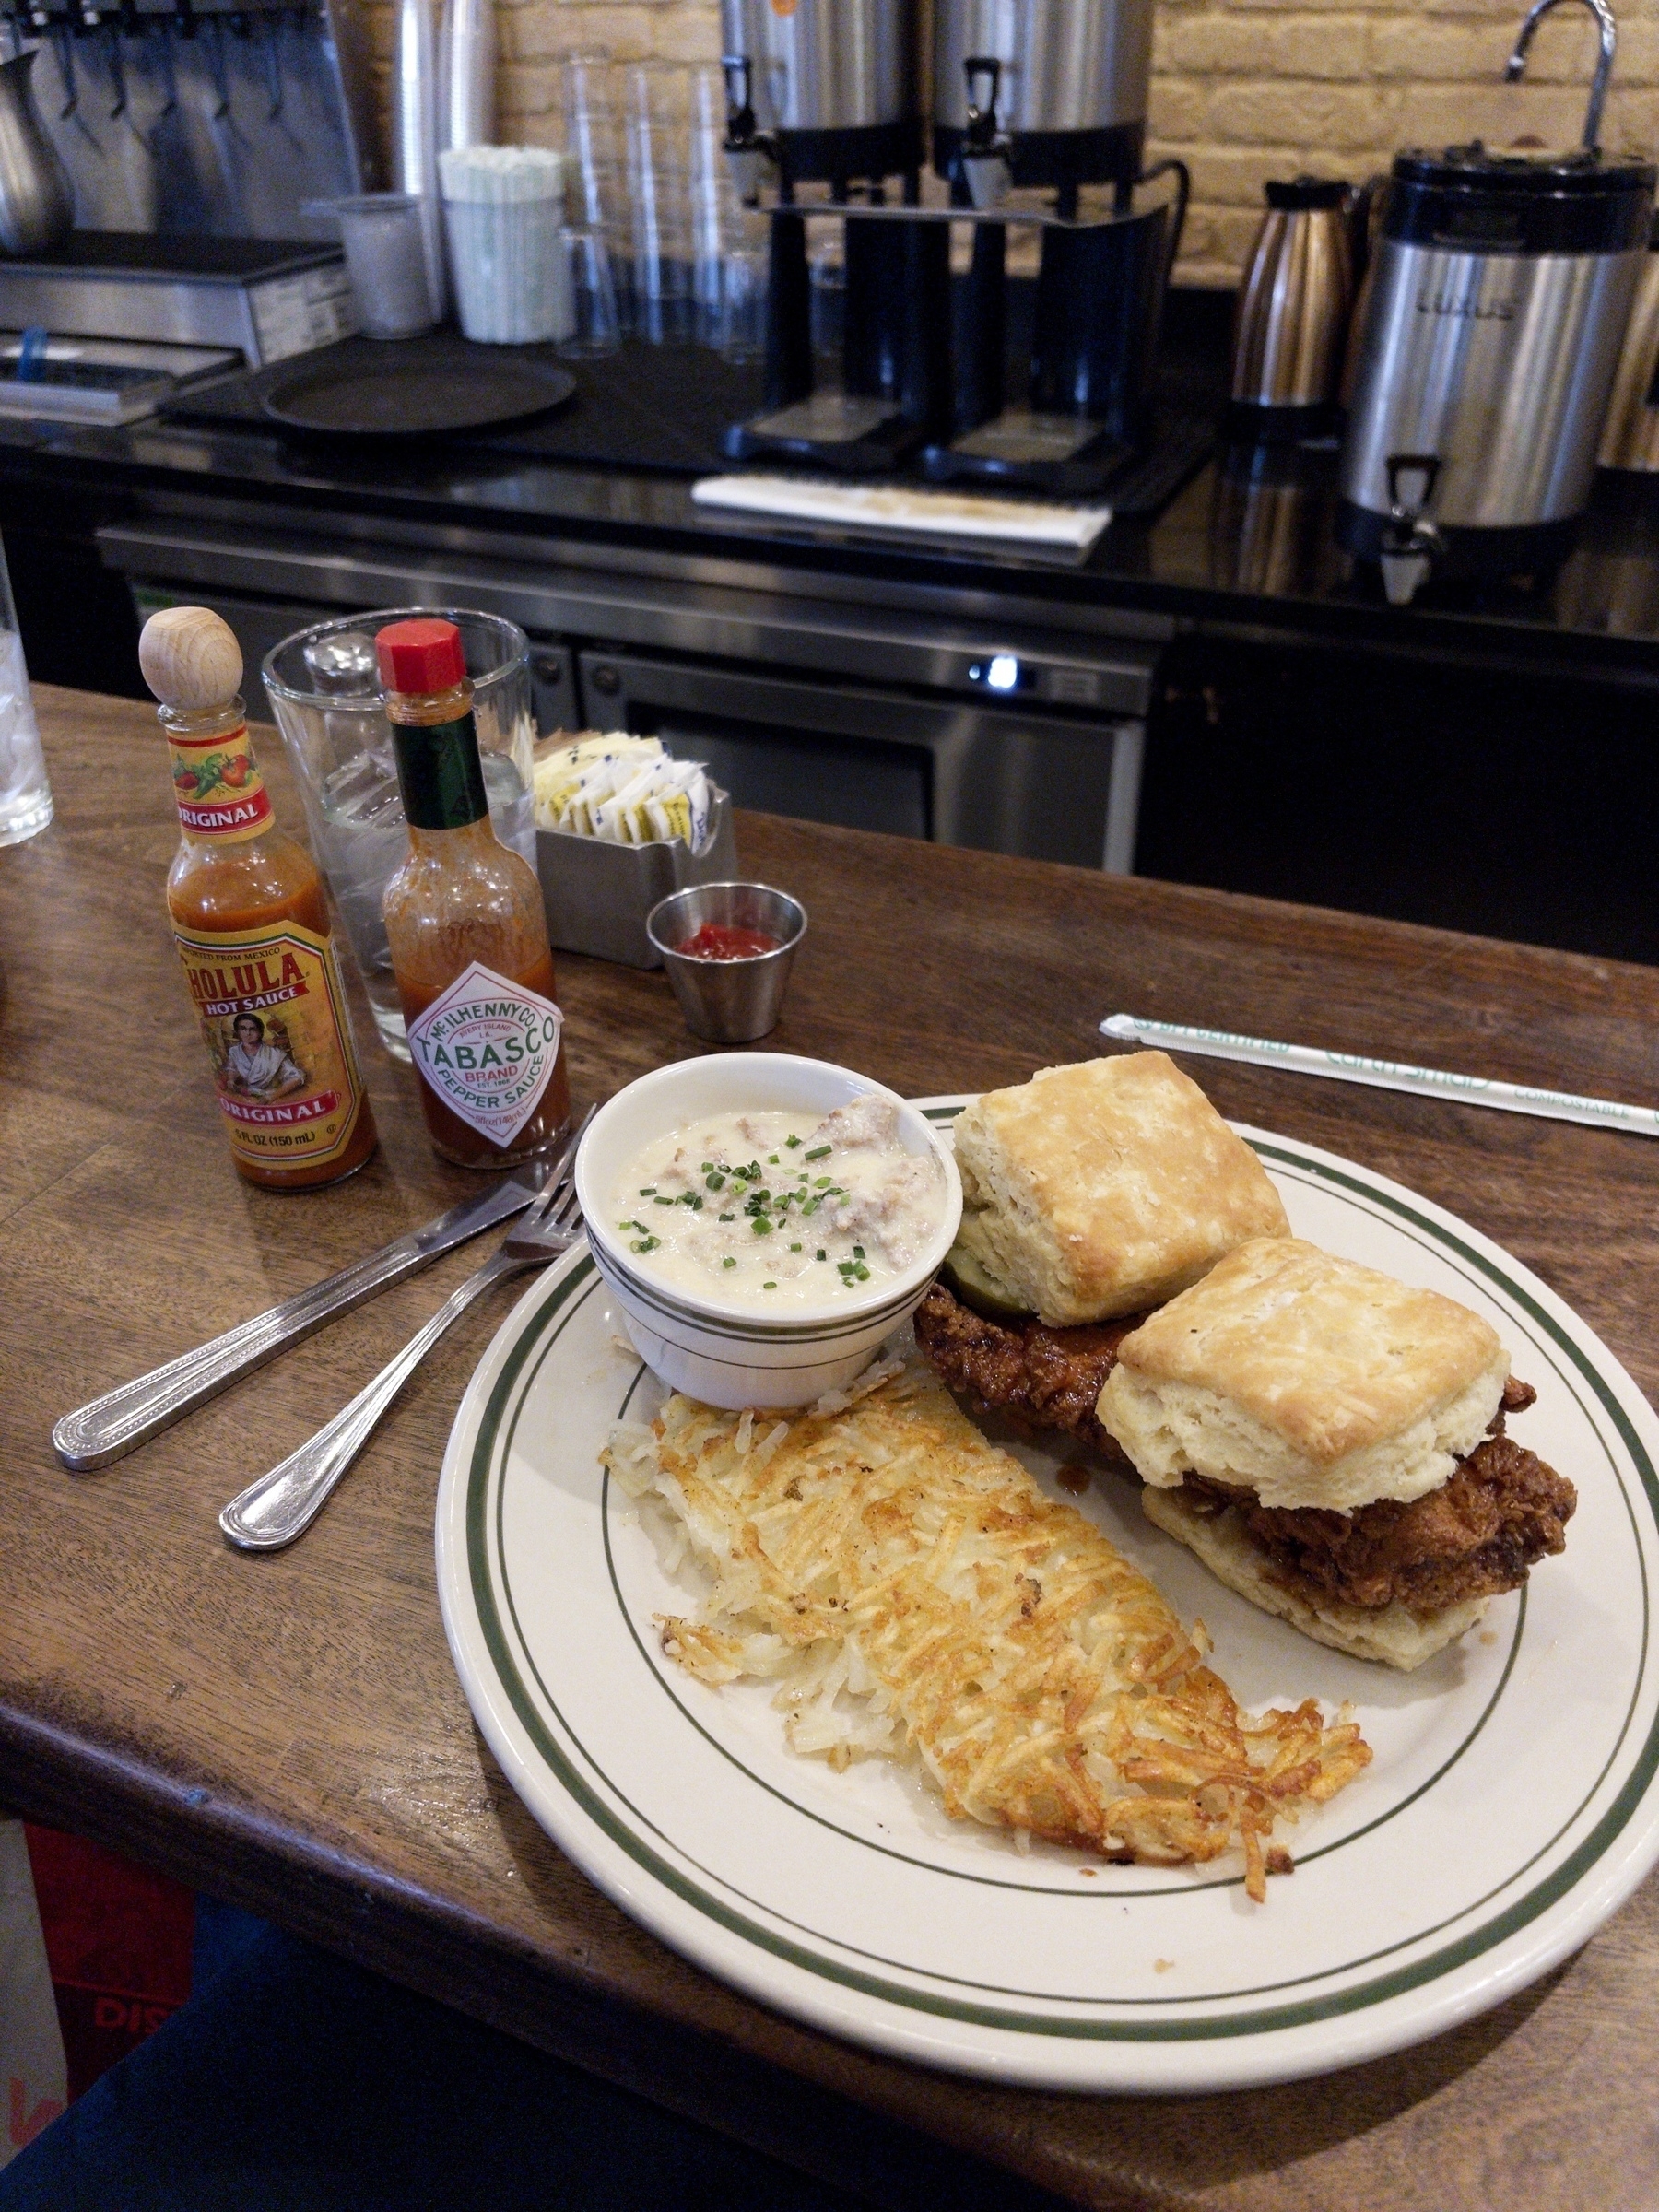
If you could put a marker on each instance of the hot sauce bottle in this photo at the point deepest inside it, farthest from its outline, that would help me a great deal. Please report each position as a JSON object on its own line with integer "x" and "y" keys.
{"x": 466, "y": 922}
{"x": 251, "y": 920}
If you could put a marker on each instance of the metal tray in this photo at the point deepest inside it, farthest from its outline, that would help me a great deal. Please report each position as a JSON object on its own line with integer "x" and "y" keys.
{"x": 414, "y": 398}
{"x": 597, "y": 895}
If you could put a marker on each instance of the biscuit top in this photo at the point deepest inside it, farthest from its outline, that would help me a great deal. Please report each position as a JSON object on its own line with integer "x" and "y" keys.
{"x": 1105, "y": 1186}
{"x": 1330, "y": 1358}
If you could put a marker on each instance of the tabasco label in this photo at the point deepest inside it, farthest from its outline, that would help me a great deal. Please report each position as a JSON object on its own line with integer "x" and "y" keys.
{"x": 488, "y": 1049}
{"x": 273, "y": 1017}
{"x": 217, "y": 785}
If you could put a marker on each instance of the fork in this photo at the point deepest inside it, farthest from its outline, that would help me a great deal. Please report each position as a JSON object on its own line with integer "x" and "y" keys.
{"x": 281, "y": 1504}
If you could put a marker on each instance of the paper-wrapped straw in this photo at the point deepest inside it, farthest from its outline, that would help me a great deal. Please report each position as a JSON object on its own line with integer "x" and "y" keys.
{"x": 1387, "y": 1074}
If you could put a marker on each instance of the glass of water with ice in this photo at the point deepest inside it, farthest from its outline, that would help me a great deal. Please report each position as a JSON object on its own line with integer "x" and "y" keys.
{"x": 25, "y": 795}
{"x": 324, "y": 688}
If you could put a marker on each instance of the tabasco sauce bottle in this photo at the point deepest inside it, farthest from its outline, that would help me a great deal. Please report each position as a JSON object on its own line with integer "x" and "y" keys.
{"x": 251, "y": 920}
{"x": 466, "y": 923}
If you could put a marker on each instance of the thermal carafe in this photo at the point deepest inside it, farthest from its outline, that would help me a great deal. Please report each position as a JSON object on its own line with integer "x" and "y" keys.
{"x": 1496, "y": 306}
{"x": 1293, "y": 309}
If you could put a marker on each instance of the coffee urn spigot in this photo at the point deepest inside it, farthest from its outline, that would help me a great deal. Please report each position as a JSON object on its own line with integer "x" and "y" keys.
{"x": 747, "y": 148}
{"x": 1410, "y": 540}
{"x": 1609, "y": 30}
{"x": 985, "y": 156}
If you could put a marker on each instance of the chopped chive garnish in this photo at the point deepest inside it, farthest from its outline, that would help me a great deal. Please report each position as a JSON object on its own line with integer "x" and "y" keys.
{"x": 791, "y": 1142}
{"x": 864, "y": 1274}
{"x": 648, "y": 1190}
{"x": 823, "y": 1255}
{"x": 794, "y": 1248}
{"x": 664, "y": 1201}
{"x": 728, "y": 1262}
{"x": 821, "y": 1182}
{"x": 645, "y": 1244}
{"x": 728, "y": 1217}
{"x": 858, "y": 1252}
{"x": 819, "y": 1152}
{"x": 772, "y": 1159}
{"x": 762, "y": 1225}
{"x": 714, "y": 1182}
{"x": 769, "y": 1286}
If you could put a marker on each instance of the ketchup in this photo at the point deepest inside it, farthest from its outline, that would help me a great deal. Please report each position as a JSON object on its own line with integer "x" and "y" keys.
{"x": 726, "y": 941}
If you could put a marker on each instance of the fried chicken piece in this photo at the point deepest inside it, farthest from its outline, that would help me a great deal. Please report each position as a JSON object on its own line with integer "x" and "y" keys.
{"x": 1045, "y": 1378}
{"x": 1476, "y": 1535}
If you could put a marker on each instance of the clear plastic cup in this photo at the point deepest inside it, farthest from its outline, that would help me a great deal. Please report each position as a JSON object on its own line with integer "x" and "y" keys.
{"x": 25, "y": 795}
{"x": 596, "y": 319}
{"x": 743, "y": 281}
{"x": 658, "y": 120}
{"x": 325, "y": 689}
{"x": 385, "y": 257}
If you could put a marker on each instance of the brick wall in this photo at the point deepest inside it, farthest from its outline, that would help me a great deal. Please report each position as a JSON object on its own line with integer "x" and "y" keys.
{"x": 1242, "y": 89}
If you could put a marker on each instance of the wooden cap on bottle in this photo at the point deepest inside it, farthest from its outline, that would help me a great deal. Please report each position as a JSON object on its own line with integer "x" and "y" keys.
{"x": 190, "y": 657}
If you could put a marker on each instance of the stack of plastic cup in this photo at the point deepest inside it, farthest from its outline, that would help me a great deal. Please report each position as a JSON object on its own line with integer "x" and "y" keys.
{"x": 504, "y": 209}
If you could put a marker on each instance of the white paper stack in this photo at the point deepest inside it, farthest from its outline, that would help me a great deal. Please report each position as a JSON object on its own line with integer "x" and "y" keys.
{"x": 902, "y": 507}
{"x": 503, "y": 210}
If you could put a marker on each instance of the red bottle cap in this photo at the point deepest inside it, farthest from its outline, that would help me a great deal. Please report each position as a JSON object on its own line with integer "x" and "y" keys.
{"x": 422, "y": 655}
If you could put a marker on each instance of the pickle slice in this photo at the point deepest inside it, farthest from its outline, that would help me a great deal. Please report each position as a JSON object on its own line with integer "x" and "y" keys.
{"x": 967, "y": 1277}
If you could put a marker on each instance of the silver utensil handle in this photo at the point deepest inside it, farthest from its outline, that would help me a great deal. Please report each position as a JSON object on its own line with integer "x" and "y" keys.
{"x": 282, "y": 1504}
{"x": 122, "y": 1419}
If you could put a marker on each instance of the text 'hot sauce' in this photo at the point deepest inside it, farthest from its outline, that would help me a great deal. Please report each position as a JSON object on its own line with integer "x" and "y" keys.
{"x": 466, "y": 923}
{"x": 251, "y": 925}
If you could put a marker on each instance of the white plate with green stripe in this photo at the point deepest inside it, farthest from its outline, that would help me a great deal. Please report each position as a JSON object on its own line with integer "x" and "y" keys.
{"x": 1509, "y": 1809}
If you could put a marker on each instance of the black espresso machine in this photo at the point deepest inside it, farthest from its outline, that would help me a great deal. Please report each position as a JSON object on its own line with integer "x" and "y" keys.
{"x": 1045, "y": 98}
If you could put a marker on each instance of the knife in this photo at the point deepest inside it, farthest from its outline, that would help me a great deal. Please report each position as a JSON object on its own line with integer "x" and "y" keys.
{"x": 122, "y": 1419}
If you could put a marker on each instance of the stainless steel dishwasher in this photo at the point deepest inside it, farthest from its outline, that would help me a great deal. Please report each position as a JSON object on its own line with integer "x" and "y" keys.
{"x": 1005, "y": 735}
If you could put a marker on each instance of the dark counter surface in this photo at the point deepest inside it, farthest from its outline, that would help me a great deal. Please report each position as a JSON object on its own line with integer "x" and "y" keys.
{"x": 1245, "y": 545}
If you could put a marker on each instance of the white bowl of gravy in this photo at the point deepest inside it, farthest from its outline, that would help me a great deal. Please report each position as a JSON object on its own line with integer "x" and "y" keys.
{"x": 764, "y": 1223}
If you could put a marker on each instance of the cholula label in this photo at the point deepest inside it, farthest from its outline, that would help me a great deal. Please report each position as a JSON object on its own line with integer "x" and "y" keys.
{"x": 272, "y": 1016}
{"x": 487, "y": 1048}
{"x": 217, "y": 783}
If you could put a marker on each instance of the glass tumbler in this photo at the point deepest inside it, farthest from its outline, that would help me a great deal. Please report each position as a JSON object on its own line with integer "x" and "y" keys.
{"x": 325, "y": 689}
{"x": 25, "y": 795}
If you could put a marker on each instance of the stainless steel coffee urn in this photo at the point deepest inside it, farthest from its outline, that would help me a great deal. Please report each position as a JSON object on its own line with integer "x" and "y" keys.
{"x": 1496, "y": 306}
{"x": 824, "y": 92}
{"x": 1072, "y": 84}
{"x": 830, "y": 86}
{"x": 1052, "y": 95}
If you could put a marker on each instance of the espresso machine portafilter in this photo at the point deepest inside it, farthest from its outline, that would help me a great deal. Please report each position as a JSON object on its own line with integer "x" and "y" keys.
{"x": 1495, "y": 308}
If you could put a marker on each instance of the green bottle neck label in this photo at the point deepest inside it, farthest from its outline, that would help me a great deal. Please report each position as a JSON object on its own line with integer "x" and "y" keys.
{"x": 440, "y": 774}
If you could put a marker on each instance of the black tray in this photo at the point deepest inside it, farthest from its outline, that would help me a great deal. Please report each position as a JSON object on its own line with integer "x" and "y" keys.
{"x": 414, "y": 398}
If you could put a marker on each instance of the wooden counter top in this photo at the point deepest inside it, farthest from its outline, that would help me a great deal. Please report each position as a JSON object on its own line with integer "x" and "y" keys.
{"x": 287, "y": 1733}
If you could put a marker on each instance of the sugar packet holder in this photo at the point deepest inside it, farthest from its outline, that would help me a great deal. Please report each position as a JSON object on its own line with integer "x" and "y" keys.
{"x": 599, "y": 893}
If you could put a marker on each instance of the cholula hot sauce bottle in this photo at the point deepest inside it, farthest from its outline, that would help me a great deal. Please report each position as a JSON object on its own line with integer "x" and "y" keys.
{"x": 250, "y": 919}
{"x": 466, "y": 922}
